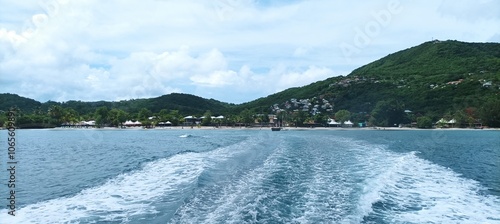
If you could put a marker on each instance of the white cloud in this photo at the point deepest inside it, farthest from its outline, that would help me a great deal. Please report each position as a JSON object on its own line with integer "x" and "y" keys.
{"x": 217, "y": 79}
{"x": 471, "y": 11}
{"x": 300, "y": 52}
{"x": 11, "y": 37}
{"x": 302, "y": 78}
{"x": 230, "y": 50}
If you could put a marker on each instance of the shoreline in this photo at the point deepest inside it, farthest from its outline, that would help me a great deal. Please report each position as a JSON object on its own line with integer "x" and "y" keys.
{"x": 268, "y": 128}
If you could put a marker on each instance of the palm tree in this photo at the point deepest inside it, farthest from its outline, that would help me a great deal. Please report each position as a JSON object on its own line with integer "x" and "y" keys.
{"x": 56, "y": 112}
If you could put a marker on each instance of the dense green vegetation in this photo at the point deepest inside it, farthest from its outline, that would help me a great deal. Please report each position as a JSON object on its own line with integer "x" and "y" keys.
{"x": 435, "y": 79}
{"x": 439, "y": 79}
{"x": 33, "y": 114}
{"x": 8, "y": 100}
{"x": 438, "y": 60}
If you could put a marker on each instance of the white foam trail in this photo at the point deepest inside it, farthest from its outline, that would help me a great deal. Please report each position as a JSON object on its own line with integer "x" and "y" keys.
{"x": 127, "y": 194}
{"x": 242, "y": 196}
{"x": 343, "y": 184}
{"x": 327, "y": 198}
{"x": 443, "y": 195}
{"x": 346, "y": 189}
{"x": 419, "y": 191}
{"x": 336, "y": 176}
{"x": 321, "y": 195}
{"x": 124, "y": 196}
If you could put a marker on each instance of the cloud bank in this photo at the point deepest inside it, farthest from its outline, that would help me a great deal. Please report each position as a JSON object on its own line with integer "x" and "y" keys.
{"x": 230, "y": 50}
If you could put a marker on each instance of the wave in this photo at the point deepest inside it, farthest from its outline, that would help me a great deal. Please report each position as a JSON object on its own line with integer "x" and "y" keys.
{"x": 158, "y": 185}
{"x": 234, "y": 202}
{"x": 356, "y": 183}
{"x": 289, "y": 179}
{"x": 296, "y": 183}
{"x": 408, "y": 189}
{"x": 121, "y": 197}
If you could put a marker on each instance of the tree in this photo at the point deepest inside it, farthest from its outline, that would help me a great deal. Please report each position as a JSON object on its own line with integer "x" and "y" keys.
{"x": 117, "y": 117}
{"x": 38, "y": 110}
{"x": 448, "y": 116}
{"x": 3, "y": 119}
{"x": 164, "y": 115}
{"x": 424, "y": 122}
{"x": 246, "y": 116}
{"x": 460, "y": 117}
{"x": 490, "y": 112}
{"x": 101, "y": 116}
{"x": 388, "y": 113}
{"x": 342, "y": 116}
{"x": 299, "y": 118}
{"x": 56, "y": 112}
{"x": 24, "y": 121}
{"x": 231, "y": 119}
{"x": 442, "y": 123}
{"x": 175, "y": 117}
{"x": 147, "y": 123}
{"x": 265, "y": 118}
{"x": 207, "y": 120}
{"x": 320, "y": 119}
{"x": 181, "y": 120}
{"x": 471, "y": 115}
{"x": 144, "y": 115}
{"x": 70, "y": 115}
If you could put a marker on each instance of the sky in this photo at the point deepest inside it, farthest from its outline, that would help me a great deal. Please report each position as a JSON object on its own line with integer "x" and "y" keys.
{"x": 229, "y": 50}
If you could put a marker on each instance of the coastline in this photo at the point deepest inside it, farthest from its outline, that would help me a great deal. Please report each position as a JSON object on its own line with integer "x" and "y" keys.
{"x": 268, "y": 128}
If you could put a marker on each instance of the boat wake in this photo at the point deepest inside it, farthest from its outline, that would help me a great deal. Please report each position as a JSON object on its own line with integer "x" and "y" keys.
{"x": 278, "y": 179}
{"x": 408, "y": 189}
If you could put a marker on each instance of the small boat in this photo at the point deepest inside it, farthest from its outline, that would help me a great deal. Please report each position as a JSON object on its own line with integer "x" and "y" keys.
{"x": 276, "y": 129}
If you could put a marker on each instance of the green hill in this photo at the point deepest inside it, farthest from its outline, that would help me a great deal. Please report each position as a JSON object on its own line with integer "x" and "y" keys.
{"x": 33, "y": 114}
{"x": 436, "y": 79}
{"x": 185, "y": 103}
{"x": 8, "y": 100}
{"x": 435, "y": 58}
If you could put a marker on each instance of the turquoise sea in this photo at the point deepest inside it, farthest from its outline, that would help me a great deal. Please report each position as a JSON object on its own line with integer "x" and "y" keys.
{"x": 254, "y": 176}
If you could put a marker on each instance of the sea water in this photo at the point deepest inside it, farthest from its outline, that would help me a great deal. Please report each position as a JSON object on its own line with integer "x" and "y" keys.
{"x": 254, "y": 176}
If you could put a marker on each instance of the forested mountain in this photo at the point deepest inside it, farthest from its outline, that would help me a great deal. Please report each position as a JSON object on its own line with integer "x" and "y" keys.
{"x": 33, "y": 114}
{"x": 437, "y": 79}
{"x": 186, "y": 103}
{"x": 8, "y": 100}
